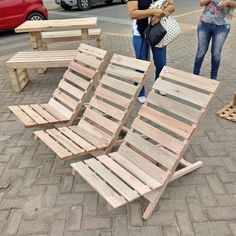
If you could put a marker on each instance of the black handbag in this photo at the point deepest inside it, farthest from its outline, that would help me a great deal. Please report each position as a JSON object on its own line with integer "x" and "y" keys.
{"x": 154, "y": 33}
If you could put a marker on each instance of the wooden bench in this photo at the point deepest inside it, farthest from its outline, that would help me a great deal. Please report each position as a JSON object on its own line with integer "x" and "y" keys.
{"x": 72, "y": 35}
{"x": 19, "y": 64}
{"x": 146, "y": 161}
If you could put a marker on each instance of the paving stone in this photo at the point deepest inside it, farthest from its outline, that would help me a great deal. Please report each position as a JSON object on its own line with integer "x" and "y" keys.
{"x": 50, "y": 180}
{"x": 116, "y": 226}
{"x": 215, "y": 184}
{"x": 4, "y": 215}
{"x": 172, "y": 205}
{"x": 104, "y": 233}
{"x": 33, "y": 227}
{"x": 33, "y": 191}
{"x": 9, "y": 203}
{"x": 226, "y": 200}
{"x": 75, "y": 217}
{"x": 232, "y": 227}
{"x": 50, "y": 195}
{"x": 195, "y": 207}
{"x": 212, "y": 229}
{"x": 90, "y": 204}
{"x": 182, "y": 191}
{"x": 221, "y": 214}
{"x": 146, "y": 230}
{"x": 230, "y": 163}
{"x": 97, "y": 223}
{"x": 69, "y": 199}
{"x": 161, "y": 218}
{"x": 47, "y": 168}
{"x": 207, "y": 198}
{"x": 58, "y": 228}
{"x": 135, "y": 214}
{"x": 171, "y": 230}
{"x": 224, "y": 175}
{"x": 66, "y": 184}
{"x": 185, "y": 224}
{"x": 31, "y": 177}
{"x": 14, "y": 222}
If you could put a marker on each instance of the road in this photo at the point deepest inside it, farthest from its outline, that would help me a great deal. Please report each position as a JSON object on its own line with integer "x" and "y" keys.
{"x": 111, "y": 18}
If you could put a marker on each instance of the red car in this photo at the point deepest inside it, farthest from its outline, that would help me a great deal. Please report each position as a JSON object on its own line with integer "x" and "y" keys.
{"x": 15, "y": 12}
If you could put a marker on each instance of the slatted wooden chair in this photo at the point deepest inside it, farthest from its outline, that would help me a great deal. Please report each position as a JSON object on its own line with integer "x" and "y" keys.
{"x": 147, "y": 159}
{"x": 106, "y": 113}
{"x": 76, "y": 85}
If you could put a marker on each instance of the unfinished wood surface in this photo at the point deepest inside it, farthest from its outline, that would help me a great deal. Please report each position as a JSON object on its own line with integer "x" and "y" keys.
{"x": 72, "y": 91}
{"x": 228, "y": 112}
{"x": 156, "y": 141}
{"x": 53, "y": 25}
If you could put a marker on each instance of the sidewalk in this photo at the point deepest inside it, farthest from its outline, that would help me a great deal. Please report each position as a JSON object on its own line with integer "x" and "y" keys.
{"x": 39, "y": 196}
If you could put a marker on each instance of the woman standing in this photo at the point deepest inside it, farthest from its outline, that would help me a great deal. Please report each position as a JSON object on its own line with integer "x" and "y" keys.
{"x": 139, "y": 11}
{"x": 214, "y": 25}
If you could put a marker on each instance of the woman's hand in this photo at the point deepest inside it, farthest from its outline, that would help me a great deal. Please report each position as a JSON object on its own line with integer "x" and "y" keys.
{"x": 155, "y": 20}
{"x": 223, "y": 4}
{"x": 159, "y": 13}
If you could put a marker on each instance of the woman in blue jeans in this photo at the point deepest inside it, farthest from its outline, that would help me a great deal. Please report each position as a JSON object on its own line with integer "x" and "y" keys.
{"x": 214, "y": 25}
{"x": 140, "y": 13}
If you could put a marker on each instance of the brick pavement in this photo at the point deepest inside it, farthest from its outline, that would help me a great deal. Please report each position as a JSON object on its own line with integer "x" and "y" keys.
{"x": 38, "y": 195}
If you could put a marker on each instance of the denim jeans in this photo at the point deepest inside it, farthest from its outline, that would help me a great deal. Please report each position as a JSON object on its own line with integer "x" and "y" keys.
{"x": 217, "y": 34}
{"x": 142, "y": 49}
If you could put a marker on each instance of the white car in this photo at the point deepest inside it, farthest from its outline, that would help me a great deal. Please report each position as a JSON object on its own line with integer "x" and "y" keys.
{"x": 82, "y": 4}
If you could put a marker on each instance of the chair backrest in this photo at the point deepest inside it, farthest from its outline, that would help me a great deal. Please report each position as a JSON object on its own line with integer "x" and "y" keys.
{"x": 113, "y": 99}
{"x": 82, "y": 74}
{"x": 162, "y": 130}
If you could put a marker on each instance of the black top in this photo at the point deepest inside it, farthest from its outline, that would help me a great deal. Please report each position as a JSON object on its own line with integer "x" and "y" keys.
{"x": 142, "y": 24}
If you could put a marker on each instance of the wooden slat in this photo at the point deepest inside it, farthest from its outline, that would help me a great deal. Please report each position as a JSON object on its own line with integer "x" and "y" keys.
{"x": 62, "y": 109}
{"x": 119, "y": 85}
{"x": 125, "y": 73}
{"x": 181, "y": 92}
{"x": 47, "y": 116}
{"x": 135, "y": 170}
{"x": 99, "y": 185}
{"x": 33, "y": 114}
{"x": 71, "y": 89}
{"x": 190, "y": 79}
{"x": 64, "y": 98}
{"x": 107, "y": 108}
{"x": 85, "y": 71}
{"x": 159, "y": 136}
{"x": 77, "y": 139}
{"x": 112, "y": 179}
{"x": 130, "y": 62}
{"x": 28, "y": 122}
{"x": 144, "y": 164}
{"x": 57, "y": 113}
{"x": 113, "y": 97}
{"x": 97, "y": 52}
{"x": 88, "y": 59}
{"x": 63, "y": 140}
{"x": 155, "y": 153}
{"x": 124, "y": 175}
{"x": 173, "y": 106}
{"x": 166, "y": 121}
{"x": 52, "y": 144}
{"x": 101, "y": 120}
{"x": 76, "y": 80}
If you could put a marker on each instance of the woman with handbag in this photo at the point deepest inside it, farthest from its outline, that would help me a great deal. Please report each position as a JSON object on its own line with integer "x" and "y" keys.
{"x": 140, "y": 12}
{"x": 214, "y": 25}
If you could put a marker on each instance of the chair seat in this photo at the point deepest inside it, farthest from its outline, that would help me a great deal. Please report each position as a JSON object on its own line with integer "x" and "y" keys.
{"x": 38, "y": 114}
{"x": 73, "y": 141}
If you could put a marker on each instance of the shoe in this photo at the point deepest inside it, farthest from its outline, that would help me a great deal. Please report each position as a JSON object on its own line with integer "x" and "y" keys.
{"x": 162, "y": 93}
{"x": 142, "y": 99}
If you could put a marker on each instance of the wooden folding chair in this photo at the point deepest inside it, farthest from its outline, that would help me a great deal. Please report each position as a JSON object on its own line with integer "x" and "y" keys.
{"x": 106, "y": 113}
{"x": 152, "y": 149}
{"x": 76, "y": 85}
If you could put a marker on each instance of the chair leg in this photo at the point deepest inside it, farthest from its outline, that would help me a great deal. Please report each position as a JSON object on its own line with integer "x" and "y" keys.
{"x": 98, "y": 42}
{"x": 234, "y": 100}
{"x": 19, "y": 78}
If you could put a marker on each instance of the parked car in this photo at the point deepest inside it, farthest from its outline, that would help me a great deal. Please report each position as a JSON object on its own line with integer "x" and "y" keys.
{"x": 15, "y": 12}
{"x": 83, "y": 5}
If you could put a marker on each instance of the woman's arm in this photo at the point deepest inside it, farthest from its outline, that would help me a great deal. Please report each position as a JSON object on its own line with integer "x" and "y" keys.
{"x": 204, "y": 2}
{"x": 170, "y": 7}
{"x": 134, "y": 13}
{"x": 227, "y": 3}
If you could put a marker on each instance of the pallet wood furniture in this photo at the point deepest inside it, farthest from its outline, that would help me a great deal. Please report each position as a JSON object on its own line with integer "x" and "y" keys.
{"x": 229, "y": 111}
{"x": 114, "y": 97}
{"x": 76, "y": 85}
{"x": 35, "y": 29}
{"x": 72, "y": 35}
{"x": 19, "y": 64}
{"x": 147, "y": 159}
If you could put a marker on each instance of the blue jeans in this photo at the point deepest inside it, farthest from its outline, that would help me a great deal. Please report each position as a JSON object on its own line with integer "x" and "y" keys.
{"x": 218, "y": 35}
{"x": 142, "y": 49}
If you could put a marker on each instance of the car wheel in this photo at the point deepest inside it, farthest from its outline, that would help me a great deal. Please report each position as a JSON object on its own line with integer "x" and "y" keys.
{"x": 65, "y": 6}
{"x": 108, "y": 2}
{"x": 124, "y": 1}
{"x": 35, "y": 16}
{"x": 84, "y": 5}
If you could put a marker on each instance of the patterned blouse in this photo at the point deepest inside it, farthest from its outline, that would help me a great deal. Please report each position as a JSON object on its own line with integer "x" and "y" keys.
{"x": 213, "y": 15}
